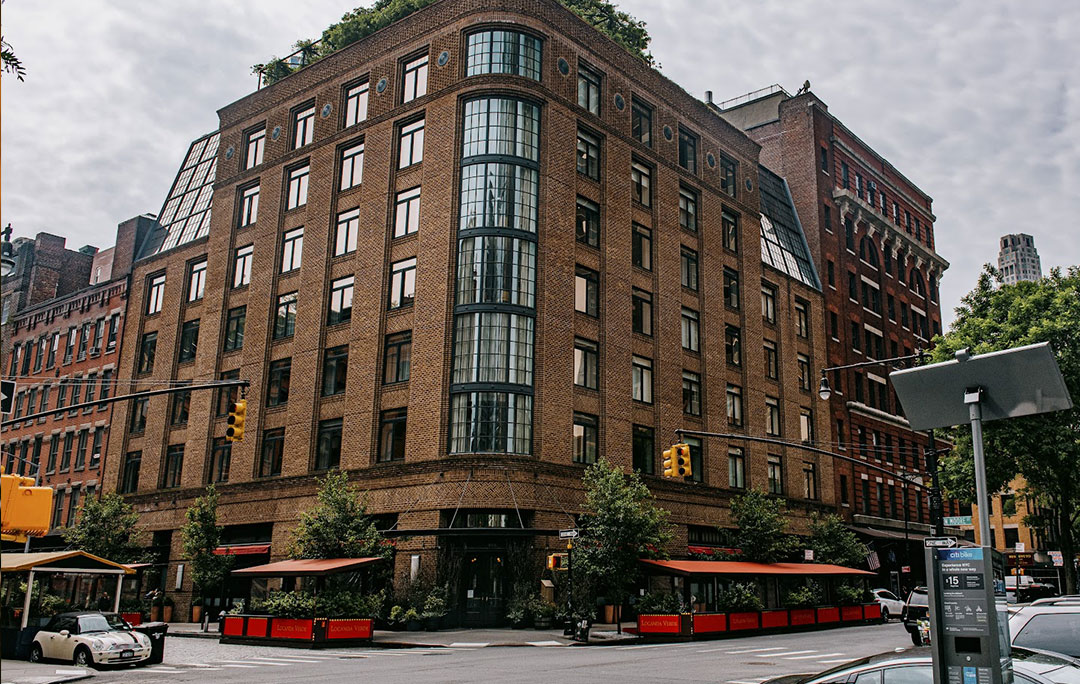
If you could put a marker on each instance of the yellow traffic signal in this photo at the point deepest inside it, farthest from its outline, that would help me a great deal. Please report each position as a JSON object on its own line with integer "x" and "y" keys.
{"x": 26, "y": 508}
{"x": 557, "y": 561}
{"x": 669, "y": 462}
{"x": 237, "y": 414}
{"x": 677, "y": 461}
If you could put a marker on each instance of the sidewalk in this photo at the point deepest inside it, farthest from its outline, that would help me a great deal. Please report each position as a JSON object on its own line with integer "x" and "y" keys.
{"x": 22, "y": 672}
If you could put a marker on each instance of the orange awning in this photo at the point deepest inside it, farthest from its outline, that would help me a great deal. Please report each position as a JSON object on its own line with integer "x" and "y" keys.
{"x": 696, "y": 567}
{"x": 242, "y": 550}
{"x": 310, "y": 567}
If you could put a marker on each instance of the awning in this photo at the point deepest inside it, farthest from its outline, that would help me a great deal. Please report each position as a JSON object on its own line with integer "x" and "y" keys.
{"x": 136, "y": 566}
{"x": 879, "y": 533}
{"x": 309, "y": 567}
{"x": 692, "y": 567}
{"x": 693, "y": 548}
{"x": 242, "y": 550}
{"x": 61, "y": 561}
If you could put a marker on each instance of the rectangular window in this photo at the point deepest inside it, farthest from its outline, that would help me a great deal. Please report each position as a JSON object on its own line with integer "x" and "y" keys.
{"x": 407, "y": 212}
{"x": 254, "y": 143}
{"x": 220, "y": 460}
{"x": 197, "y": 280}
{"x": 328, "y": 445}
{"x": 139, "y": 409}
{"x": 733, "y": 345}
{"x": 346, "y": 232}
{"x": 95, "y": 447}
{"x": 806, "y": 425}
{"x": 114, "y": 332}
{"x": 84, "y": 343}
{"x": 54, "y": 346}
{"x": 585, "y": 438}
{"x": 845, "y": 497}
{"x": 845, "y": 176}
{"x": 588, "y": 154}
{"x": 80, "y": 450}
{"x": 588, "y": 90}
{"x": 644, "y": 447}
{"x": 730, "y": 226}
{"x": 859, "y": 185}
{"x": 691, "y": 393}
{"x": 691, "y": 338}
{"x": 335, "y": 370}
{"x": 249, "y": 206}
{"x": 734, "y": 405}
{"x": 641, "y": 183}
{"x": 352, "y": 166}
{"x": 776, "y": 474}
{"x": 834, "y": 325}
{"x": 154, "y": 300}
{"x": 234, "y": 328}
{"x": 174, "y": 464}
{"x": 641, "y": 122}
{"x": 411, "y": 144}
{"x": 728, "y": 173}
{"x": 189, "y": 341}
{"x": 853, "y": 287}
{"x": 642, "y": 379}
{"x": 147, "y": 351}
{"x": 697, "y": 459}
{"x": 642, "y": 247}
{"x": 586, "y": 364}
{"x": 297, "y": 187}
{"x": 772, "y": 361}
{"x": 356, "y": 103}
{"x": 810, "y": 488}
{"x": 303, "y": 126}
{"x": 54, "y": 451}
{"x": 824, "y": 159}
{"x": 402, "y": 283}
{"x": 802, "y": 319}
{"x": 392, "y": 435}
{"x": 181, "y": 408}
{"x": 292, "y": 249}
{"x": 768, "y": 302}
{"x": 242, "y": 266}
{"x": 285, "y": 316}
{"x": 642, "y": 312}
{"x": 688, "y": 268}
{"x": 688, "y": 210}
{"x": 129, "y": 474}
{"x": 277, "y": 393}
{"x": 731, "y": 288}
{"x": 688, "y": 144}
{"x": 65, "y": 458}
{"x": 827, "y": 214}
{"x": 76, "y": 390}
{"x": 587, "y": 291}
{"x": 273, "y": 448}
{"x": 61, "y": 396}
{"x": 849, "y": 235}
{"x": 588, "y": 222}
{"x": 414, "y": 79}
{"x": 227, "y": 395}
{"x": 772, "y": 416}
{"x": 736, "y": 468}
{"x": 341, "y": 296}
{"x": 398, "y": 359}
{"x": 803, "y": 362}
{"x": 69, "y": 350}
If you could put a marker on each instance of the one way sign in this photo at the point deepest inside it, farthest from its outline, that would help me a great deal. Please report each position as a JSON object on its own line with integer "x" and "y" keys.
{"x": 7, "y": 396}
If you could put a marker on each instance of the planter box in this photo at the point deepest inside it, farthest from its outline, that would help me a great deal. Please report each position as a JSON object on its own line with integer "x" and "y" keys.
{"x": 771, "y": 619}
{"x": 871, "y": 611}
{"x": 740, "y": 621}
{"x": 851, "y": 613}
{"x": 349, "y": 628}
{"x": 292, "y": 628}
{"x": 830, "y": 614}
{"x": 802, "y": 616}
{"x": 134, "y": 619}
{"x": 297, "y": 632}
{"x": 710, "y": 623}
{"x": 659, "y": 624}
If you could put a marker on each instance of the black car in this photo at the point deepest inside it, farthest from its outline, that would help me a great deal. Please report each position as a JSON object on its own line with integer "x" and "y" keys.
{"x": 917, "y": 607}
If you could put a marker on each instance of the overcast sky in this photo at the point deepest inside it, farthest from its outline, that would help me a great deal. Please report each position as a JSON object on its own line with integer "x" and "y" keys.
{"x": 976, "y": 101}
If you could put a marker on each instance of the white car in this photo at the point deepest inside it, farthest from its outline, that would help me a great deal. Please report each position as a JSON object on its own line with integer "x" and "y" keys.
{"x": 90, "y": 638}
{"x": 891, "y": 606}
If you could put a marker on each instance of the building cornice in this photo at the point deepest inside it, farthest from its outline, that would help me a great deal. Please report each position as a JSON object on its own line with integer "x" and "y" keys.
{"x": 878, "y": 224}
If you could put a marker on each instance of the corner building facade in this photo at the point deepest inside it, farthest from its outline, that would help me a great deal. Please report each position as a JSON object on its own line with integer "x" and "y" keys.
{"x": 461, "y": 259}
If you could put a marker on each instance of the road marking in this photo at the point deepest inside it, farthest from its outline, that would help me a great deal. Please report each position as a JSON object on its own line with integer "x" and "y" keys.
{"x": 71, "y": 672}
{"x": 836, "y": 661}
{"x": 249, "y": 666}
{"x": 266, "y": 661}
{"x": 750, "y": 650}
{"x": 163, "y": 668}
{"x": 251, "y": 662}
{"x": 780, "y": 655}
{"x": 816, "y": 655}
{"x": 466, "y": 644}
{"x": 630, "y": 648}
{"x": 545, "y": 643}
{"x": 290, "y": 659}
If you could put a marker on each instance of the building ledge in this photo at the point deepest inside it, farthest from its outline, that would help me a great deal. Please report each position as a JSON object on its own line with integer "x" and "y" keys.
{"x": 897, "y": 238}
{"x": 877, "y": 414}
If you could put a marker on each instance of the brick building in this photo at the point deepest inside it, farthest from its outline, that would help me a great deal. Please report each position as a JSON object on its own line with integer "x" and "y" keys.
{"x": 460, "y": 259}
{"x": 871, "y": 231}
{"x": 64, "y": 351}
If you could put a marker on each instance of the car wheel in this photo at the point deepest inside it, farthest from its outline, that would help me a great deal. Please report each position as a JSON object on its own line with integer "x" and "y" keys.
{"x": 36, "y": 653}
{"x": 916, "y": 639}
{"x": 82, "y": 657}
{"x": 884, "y": 613}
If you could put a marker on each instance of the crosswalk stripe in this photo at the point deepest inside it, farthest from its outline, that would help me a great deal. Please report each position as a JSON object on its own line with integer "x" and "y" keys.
{"x": 290, "y": 659}
{"x": 816, "y": 655}
{"x": 238, "y": 666}
{"x": 630, "y": 648}
{"x": 755, "y": 650}
{"x": 252, "y": 662}
{"x": 781, "y": 655}
{"x": 545, "y": 643}
{"x": 468, "y": 644}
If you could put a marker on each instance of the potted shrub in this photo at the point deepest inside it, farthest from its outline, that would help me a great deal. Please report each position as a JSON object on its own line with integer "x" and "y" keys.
{"x": 412, "y": 620}
{"x": 544, "y": 613}
{"x": 167, "y": 604}
{"x": 434, "y": 609}
{"x": 196, "y": 609}
{"x": 743, "y": 605}
{"x": 396, "y": 618}
{"x": 517, "y": 611}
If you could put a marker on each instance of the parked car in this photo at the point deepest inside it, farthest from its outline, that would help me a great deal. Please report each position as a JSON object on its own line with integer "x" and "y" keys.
{"x": 891, "y": 606}
{"x": 90, "y": 638}
{"x": 916, "y": 608}
{"x": 1053, "y": 626}
{"x": 914, "y": 666}
{"x": 1027, "y": 588}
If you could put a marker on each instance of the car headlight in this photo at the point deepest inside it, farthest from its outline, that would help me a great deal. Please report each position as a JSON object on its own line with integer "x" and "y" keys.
{"x": 98, "y": 644}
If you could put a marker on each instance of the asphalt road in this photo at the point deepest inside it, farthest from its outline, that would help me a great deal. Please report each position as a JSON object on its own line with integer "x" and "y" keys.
{"x": 747, "y": 660}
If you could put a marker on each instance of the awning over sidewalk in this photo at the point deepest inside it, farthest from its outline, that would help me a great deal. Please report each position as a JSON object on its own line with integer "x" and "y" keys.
{"x": 61, "y": 561}
{"x": 686, "y": 568}
{"x": 242, "y": 550}
{"x": 879, "y": 533}
{"x": 306, "y": 567}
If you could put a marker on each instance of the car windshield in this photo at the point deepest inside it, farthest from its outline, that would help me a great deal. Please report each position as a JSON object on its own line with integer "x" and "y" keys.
{"x": 917, "y": 597}
{"x": 1052, "y": 632}
{"x": 100, "y": 623}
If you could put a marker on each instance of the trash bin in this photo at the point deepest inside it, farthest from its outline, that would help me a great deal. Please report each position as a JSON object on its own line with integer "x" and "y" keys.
{"x": 156, "y": 631}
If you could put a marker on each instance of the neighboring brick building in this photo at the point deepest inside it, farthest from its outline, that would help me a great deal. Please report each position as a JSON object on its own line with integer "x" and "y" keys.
{"x": 64, "y": 351}
{"x": 871, "y": 231}
{"x": 1018, "y": 259}
{"x": 491, "y": 348}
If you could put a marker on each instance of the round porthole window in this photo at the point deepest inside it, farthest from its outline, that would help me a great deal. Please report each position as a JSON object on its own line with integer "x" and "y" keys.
{"x": 381, "y": 85}
{"x": 230, "y": 152}
{"x": 620, "y": 103}
{"x": 667, "y": 132}
{"x": 326, "y": 110}
{"x": 749, "y": 185}
{"x": 711, "y": 160}
{"x": 444, "y": 57}
{"x": 276, "y": 133}
{"x": 564, "y": 66}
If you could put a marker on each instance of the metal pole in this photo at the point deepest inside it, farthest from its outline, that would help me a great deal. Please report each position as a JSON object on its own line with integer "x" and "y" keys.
{"x": 26, "y": 601}
{"x": 936, "y": 513}
{"x": 119, "y": 588}
{"x": 981, "y": 495}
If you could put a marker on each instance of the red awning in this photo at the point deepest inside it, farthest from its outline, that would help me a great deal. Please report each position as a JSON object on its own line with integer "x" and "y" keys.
{"x": 136, "y": 566}
{"x": 694, "y": 567}
{"x": 242, "y": 550}
{"x": 692, "y": 548}
{"x": 309, "y": 567}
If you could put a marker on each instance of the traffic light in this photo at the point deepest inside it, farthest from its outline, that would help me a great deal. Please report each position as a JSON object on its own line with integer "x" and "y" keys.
{"x": 237, "y": 413}
{"x": 26, "y": 509}
{"x": 557, "y": 561}
{"x": 677, "y": 461}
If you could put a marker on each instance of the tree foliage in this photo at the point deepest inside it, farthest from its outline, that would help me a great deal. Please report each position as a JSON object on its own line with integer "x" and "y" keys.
{"x": 202, "y": 535}
{"x": 338, "y": 526}
{"x": 107, "y": 527}
{"x": 1045, "y": 448}
{"x": 833, "y": 543}
{"x": 762, "y": 528}
{"x": 11, "y": 63}
{"x": 621, "y": 524}
{"x": 361, "y": 22}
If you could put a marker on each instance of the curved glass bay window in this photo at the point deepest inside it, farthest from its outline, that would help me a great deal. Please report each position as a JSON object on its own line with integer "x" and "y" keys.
{"x": 495, "y": 294}
{"x": 503, "y": 52}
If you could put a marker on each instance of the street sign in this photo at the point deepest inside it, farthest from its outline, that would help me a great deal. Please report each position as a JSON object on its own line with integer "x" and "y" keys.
{"x": 1057, "y": 558}
{"x": 7, "y": 395}
{"x": 568, "y": 534}
{"x": 808, "y": 555}
{"x": 905, "y": 569}
{"x": 939, "y": 542}
{"x": 957, "y": 520}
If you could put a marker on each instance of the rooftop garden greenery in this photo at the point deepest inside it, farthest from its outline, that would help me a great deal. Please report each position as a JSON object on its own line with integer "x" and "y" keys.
{"x": 361, "y": 22}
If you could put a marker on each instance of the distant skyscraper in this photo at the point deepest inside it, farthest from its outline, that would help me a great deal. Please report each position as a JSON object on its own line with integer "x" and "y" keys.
{"x": 1018, "y": 259}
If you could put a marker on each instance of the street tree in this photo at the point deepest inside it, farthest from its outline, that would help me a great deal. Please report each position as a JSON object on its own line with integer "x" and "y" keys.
{"x": 108, "y": 528}
{"x": 761, "y": 522}
{"x": 1045, "y": 449}
{"x": 834, "y": 543}
{"x": 620, "y": 525}
{"x": 202, "y": 536}
{"x": 338, "y": 525}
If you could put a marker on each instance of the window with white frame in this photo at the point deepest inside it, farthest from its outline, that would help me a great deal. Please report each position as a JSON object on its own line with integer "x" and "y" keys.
{"x": 249, "y": 206}
{"x": 356, "y": 103}
{"x": 642, "y": 379}
{"x": 411, "y": 144}
{"x": 242, "y": 266}
{"x": 346, "y": 232}
{"x": 297, "y": 187}
{"x": 414, "y": 79}
{"x": 156, "y": 295}
{"x": 402, "y": 283}
{"x": 352, "y": 166}
{"x": 292, "y": 249}
{"x": 407, "y": 212}
{"x": 197, "y": 280}
{"x": 303, "y": 126}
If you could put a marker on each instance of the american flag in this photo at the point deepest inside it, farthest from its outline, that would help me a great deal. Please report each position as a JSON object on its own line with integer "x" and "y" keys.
{"x": 872, "y": 560}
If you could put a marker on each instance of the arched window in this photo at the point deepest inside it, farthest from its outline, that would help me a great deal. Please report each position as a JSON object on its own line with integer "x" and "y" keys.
{"x": 915, "y": 282}
{"x": 868, "y": 251}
